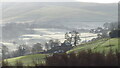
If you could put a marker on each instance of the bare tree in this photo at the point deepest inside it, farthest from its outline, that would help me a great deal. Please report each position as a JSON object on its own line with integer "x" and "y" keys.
{"x": 4, "y": 51}
{"x": 22, "y": 50}
{"x": 73, "y": 36}
{"x": 37, "y": 48}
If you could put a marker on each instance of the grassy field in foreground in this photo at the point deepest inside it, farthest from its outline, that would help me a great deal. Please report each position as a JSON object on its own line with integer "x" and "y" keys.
{"x": 28, "y": 59}
{"x": 96, "y": 46}
{"x": 101, "y": 45}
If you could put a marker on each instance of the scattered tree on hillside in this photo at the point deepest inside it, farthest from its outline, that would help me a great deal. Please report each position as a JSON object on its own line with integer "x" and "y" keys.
{"x": 73, "y": 37}
{"x": 92, "y": 31}
{"x": 52, "y": 43}
{"x": 37, "y": 48}
{"x": 57, "y": 42}
{"x": 115, "y": 33}
{"x": 110, "y": 26}
{"x": 22, "y": 50}
{"x": 47, "y": 47}
{"x": 4, "y": 51}
{"x": 107, "y": 28}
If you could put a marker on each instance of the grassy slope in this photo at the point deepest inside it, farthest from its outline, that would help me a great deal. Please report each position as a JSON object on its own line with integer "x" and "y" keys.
{"x": 98, "y": 45}
{"x": 28, "y": 59}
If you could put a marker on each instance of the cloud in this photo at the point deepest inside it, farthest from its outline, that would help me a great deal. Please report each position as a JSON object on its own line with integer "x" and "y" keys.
{"x": 38, "y": 1}
{"x": 97, "y": 1}
{"x": 100, "y": 1}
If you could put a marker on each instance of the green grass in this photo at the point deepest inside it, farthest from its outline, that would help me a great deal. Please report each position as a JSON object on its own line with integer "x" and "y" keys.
{"x": 28, "y": 59}
{"x": 98, "y": 45}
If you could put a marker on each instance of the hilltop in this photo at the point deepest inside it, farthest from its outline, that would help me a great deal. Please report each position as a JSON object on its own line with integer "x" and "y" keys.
{"x": 101, "y": 45}
{"x": 65, "y": 12}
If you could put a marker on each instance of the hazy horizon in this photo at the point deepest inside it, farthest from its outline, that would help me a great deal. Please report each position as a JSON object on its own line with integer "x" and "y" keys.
{"x": 93, "y": 1}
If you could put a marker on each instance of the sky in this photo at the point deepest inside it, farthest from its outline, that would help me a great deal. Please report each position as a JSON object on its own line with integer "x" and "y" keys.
{"x": 95, "y": 1}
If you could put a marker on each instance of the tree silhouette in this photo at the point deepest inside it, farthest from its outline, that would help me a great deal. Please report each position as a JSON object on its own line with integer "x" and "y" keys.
{"x": 37, "y": 48}
{"x": 4, "y": 51}
{"x": 73, "y": 37}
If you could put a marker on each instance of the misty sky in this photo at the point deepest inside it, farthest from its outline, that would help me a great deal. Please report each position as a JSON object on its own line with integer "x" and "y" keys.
{"x": 96, "y": 1}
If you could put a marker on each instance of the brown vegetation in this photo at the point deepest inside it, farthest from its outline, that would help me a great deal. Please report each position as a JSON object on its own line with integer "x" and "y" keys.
{"x": 84, "y": 58}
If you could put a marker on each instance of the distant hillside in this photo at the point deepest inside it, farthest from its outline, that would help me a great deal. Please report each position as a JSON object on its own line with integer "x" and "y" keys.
{"x": 62, "y": 15}
{"x": 59, "y": 12}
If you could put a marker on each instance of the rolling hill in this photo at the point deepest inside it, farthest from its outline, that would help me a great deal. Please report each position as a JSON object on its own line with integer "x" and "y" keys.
{"x": 27, "y": 60}
{"x": 64, "y": 12}
{"x": 62, "y": 15}
{"x": 96, "y": 46}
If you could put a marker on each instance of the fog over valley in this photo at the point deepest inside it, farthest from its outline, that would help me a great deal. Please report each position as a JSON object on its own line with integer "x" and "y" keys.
{"x": 29, "y": 23}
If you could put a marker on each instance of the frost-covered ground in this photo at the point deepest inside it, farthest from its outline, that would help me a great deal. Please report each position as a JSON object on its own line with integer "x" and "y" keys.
{"x": 43, "y": 35}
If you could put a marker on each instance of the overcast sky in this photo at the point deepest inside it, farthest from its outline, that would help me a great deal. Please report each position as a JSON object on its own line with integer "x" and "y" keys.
{"x": 96, "y": 1}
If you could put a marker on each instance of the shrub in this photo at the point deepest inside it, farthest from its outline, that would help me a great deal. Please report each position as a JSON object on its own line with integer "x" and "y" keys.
{"x": 84, "y": 58}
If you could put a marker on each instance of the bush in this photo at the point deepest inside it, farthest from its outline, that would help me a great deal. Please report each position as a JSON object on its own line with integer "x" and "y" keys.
{"x": 115, "y": 33}
{"x": 84, "y": 58}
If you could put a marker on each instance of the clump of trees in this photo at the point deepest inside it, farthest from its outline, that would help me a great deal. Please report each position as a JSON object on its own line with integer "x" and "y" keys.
{"x": 73, "y": 37}
{"x": 20, "y": 51}
{"x": 108, "y": 30}
{"x": 37, "y": 48}
{"x": 51, "y": 44}
{"x": 110, "y": 26}
{"x": 55, "y": 46}
{"x": 115, "y": 33}
{"x": 84, "y": 58}
{"x": 4, "y": 52}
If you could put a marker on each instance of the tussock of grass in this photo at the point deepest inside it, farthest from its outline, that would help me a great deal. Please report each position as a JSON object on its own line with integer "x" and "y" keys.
{"x": 28, "y": 59}
{"x": 101, "y": 45}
